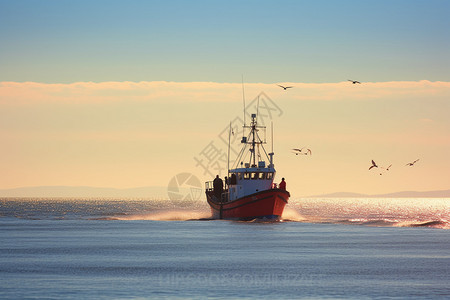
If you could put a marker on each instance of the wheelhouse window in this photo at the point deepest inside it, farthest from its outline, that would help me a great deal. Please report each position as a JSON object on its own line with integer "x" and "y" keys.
{"x": 269, "y": 175}
{"x": 255, "y": 175}
{"x": 262, "y": 175}
{"x": 246, "y": 175}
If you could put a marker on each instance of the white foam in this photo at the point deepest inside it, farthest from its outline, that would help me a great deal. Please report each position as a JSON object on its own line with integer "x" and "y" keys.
{"x": 169, "y": 215}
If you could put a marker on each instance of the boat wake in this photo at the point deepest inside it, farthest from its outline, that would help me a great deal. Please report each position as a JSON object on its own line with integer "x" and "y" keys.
{"x": 164, "y": 215}
{"x": 289, "y": 215}
{"x": 440, "y": 224}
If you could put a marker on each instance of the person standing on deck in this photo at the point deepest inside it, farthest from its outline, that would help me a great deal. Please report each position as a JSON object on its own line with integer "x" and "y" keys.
{"x": 282, "y": 185}
{"x": 218, "y": 187}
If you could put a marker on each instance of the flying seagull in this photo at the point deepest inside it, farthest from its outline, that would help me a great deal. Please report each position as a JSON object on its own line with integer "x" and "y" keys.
{"x": 387, "y": 169}
{"x": 354, "y": 81}
{"x": 374, "y": 165}
{"x": 299, "y": 151}
{"x": 412, "y": 163}
{"x": 285, "y": 87}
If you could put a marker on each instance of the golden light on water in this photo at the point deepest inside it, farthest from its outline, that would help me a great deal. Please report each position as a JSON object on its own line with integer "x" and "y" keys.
{"x": 400, "y": 212}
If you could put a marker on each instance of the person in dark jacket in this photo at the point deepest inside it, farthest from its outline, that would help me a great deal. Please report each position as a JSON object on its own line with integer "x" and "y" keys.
{"x": 218, "y": 187}
{"x": 233, "y": 179}
{"x": 282, "y": 184}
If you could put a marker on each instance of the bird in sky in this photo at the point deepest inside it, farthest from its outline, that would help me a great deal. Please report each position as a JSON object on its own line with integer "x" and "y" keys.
{"x": 387, "y": 169}
{"x": 412, "y": 163}
{"x": 285, "y": 87}
{"x": 297, "y": 151}
{"x": 300, "y": 151}
{"x": 354, "y": 81}
{"x": 374, "y": 165}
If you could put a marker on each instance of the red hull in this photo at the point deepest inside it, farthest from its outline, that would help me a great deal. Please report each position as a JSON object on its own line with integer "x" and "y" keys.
{"x": 265, "y": 204}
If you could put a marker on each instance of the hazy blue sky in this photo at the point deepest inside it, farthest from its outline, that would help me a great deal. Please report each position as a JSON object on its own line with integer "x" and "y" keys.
{"x": 267, "y": 41}
{"x": 130, "y": 93}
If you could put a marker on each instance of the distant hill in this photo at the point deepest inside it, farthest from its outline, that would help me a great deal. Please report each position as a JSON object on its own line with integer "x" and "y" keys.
{"x": 85, "y": 192}
{"x": 404, "y": 194}
{"x": 414, "y": 194}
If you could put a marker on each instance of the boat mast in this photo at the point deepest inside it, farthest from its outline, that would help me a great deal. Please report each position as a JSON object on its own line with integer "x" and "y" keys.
{"x": 255, "y": 141}
{"x": 229, "y": 143}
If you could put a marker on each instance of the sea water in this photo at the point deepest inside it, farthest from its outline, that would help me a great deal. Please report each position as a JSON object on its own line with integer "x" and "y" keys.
{"x": 142, "y": 249}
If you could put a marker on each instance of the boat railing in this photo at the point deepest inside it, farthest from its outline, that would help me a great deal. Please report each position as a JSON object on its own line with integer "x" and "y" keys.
{"x": 225, "y": 196}
{"x": 209, "y": 186}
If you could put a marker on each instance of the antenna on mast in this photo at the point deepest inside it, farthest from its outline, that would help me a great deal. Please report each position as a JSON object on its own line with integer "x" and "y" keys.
{"x": 271, "y": 126}
{"x": 243, "y": 97}
{"x": 271, "y": 153}
{"x": 257, "y": 110}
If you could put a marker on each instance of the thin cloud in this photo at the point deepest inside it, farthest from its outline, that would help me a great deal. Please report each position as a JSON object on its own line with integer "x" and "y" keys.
{"x": 21, "y": 93}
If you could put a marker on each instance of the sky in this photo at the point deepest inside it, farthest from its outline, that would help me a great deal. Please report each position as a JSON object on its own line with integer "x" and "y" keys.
{"x": 127, "y": 94}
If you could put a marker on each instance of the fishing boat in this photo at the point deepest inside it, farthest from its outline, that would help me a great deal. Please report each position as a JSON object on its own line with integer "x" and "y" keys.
{"x": 250, "y": 192}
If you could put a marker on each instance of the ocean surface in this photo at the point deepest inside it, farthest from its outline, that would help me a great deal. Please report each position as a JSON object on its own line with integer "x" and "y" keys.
{"x": 157, "y": 249}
